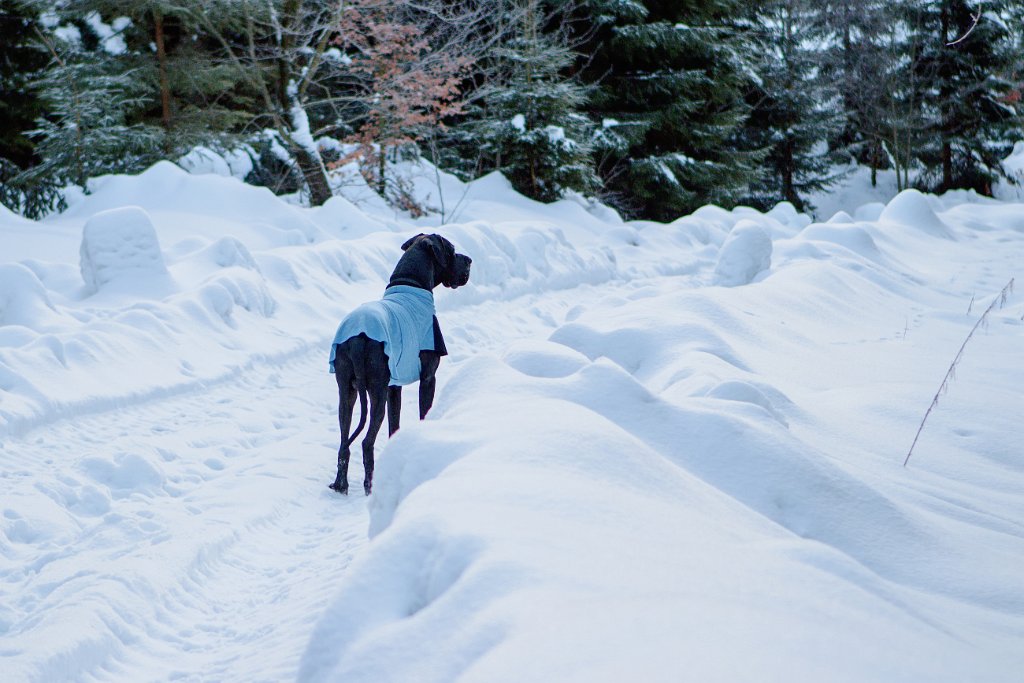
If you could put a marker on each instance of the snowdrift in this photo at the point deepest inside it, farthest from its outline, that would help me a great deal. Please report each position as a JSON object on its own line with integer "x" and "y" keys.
{"x": 659, "y": 451}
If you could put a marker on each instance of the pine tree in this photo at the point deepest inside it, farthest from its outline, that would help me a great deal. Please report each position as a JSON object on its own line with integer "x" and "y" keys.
{"x": 198, "y": 99}
{"x": 856, "y": 61}
{"x": 22, "y": 59}
{"x": 87, "y": 131}
{"x": 671, "y": 78}
{"x": 528, "y": 122}
{"x": 794, "y": 113}
{"x": 92, "y": 124}
{"x": 968, "y": 56}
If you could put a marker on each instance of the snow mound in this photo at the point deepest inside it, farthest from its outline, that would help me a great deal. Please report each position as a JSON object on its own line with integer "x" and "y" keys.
{"x": 23, "y": 299}
{"x": 747, "y": 252}
{"x": 125, "y": 474}
{"x": 544, "y": 359}
{"x": 228, "y": 252}
{"x": 786, "y": 214}
{"x": 485, "y": 544}
{"x": 338, "y": 216}
{"x": 852, "y": 237}
{"x": 869, "y": 212}
{"x": 120, "y": 244}
{"x": 745, "y": 392}
{"x": 913, "y": 209}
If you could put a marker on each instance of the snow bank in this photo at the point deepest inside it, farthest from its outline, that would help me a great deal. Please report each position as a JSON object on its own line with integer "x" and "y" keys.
{"x": 193, "y": 278}
{"x": 670, "y": 484}
{"x": 557, "y": 505}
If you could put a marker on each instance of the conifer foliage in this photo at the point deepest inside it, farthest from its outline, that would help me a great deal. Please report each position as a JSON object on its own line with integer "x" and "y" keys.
{"x": 656, "y": 107}
{"x": 528, "y": 120}
{"x": 967, "y": 60}
{"x": 671, "y": 79}
{"x": 22, "y": 61}
{"x": 794, "y": 112}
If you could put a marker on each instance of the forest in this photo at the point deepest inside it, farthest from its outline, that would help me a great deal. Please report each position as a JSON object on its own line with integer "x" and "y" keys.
{"x": 654, "y": 107}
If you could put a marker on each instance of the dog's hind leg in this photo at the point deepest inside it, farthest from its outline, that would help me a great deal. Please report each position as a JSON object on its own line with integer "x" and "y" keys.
{"x": 376, "y": 376}
{"x": 343, "y": 372}
{"x": 378, "y": 403}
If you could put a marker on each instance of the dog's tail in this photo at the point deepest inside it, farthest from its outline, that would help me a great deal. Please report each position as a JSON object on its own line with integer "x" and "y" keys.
{"x": 359, "y": 352}
{"x": 361, "y": 388}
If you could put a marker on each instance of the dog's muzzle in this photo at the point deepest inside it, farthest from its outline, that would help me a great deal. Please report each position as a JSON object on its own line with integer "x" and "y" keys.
{"x": 459, "y": 274}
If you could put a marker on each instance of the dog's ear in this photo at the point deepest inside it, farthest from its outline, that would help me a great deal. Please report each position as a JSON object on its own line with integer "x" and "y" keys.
{"x": 409, "y": 242}
{"x": 442, "y": 249}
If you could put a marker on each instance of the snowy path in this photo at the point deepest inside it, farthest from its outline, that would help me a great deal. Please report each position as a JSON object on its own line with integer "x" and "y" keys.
{"x": 183, "y": 532}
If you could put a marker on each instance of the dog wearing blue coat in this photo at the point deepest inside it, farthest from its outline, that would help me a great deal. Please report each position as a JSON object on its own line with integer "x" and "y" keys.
{"x": 383, "y": 345}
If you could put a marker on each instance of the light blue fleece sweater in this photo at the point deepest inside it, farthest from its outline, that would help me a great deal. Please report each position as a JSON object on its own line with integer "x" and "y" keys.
{"x": 403, "y": 320}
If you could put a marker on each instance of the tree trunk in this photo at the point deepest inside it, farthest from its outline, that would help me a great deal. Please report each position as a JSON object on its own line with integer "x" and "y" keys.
{"x": 947, "y": 166}
{"x": 313, "y": 171}
{"x": 788, "y": 167}
{"x": 946, "y": 95}
{"x": 165, "y": 88}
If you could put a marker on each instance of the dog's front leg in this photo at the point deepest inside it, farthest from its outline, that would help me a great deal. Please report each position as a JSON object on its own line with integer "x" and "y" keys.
{"x": 429, "y": 362}
{"x": 394, "y": 409}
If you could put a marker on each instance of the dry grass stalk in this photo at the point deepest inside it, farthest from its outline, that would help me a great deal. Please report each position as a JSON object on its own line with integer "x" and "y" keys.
{"x": 951, "y": 373}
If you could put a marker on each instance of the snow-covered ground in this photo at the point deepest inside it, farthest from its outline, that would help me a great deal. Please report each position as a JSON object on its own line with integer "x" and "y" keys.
{"x": 658, "y": 452}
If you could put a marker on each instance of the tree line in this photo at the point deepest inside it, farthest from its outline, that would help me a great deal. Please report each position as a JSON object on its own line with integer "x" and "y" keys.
{"x": 656, "y": 107}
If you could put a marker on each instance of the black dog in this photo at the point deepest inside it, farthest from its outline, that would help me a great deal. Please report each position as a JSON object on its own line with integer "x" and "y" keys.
{"x": 362, "y": 366}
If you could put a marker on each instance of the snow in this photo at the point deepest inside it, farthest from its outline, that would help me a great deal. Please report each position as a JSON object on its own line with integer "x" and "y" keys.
{"x": 1014, "y": 166}
{"x": 658, "y": 451}
{"x": 109, "y": 34}
{"x": 746, "y": 253}
{"x": 120, "y": 244}
{"x": 237, "y": 163}
{"x": 912, "y": 209}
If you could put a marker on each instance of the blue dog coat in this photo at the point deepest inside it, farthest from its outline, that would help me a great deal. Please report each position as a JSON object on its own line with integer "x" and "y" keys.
{"x": 403, "y": 320}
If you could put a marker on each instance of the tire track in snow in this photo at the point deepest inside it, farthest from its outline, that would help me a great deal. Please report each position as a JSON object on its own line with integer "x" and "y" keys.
{"x": 171, "y": 535}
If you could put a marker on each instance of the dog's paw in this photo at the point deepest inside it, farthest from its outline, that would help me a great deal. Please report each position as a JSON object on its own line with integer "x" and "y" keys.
{"x": 343, "y": 490}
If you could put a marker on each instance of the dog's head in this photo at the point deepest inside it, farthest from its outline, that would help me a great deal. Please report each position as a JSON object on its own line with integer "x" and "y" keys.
{"x": 452, "y": 269}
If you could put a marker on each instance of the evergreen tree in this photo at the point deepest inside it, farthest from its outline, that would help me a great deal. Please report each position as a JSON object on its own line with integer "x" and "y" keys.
{"x": 89, "y": 130}
{"x": 794, "y": 113}
{"x": 194, "y": 97}
{"x": 22, "y": 59}
{"x": 93, "y": 117}
{"x": 671, "y": 78}
{"x": 968, "y": 58}
{"x": 857, "y": 62}
{"x": 527, "y": 122}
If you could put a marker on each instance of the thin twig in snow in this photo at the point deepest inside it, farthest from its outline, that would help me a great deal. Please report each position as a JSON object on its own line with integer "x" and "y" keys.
{"x": 951, "y": 373}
